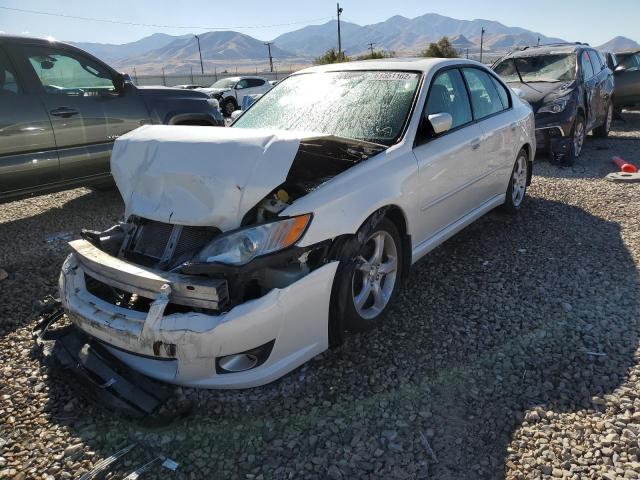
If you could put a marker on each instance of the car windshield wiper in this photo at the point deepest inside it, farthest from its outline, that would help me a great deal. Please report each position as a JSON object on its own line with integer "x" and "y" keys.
{"x": 515, "y": 64}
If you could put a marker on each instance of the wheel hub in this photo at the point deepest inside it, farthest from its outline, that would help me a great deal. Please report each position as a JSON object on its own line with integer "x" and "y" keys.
{"x": 375, "y": 275}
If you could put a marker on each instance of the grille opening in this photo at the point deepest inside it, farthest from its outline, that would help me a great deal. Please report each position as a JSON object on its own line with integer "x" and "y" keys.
{"x": 131, "y": 301}
{"x": 159, "y": 244}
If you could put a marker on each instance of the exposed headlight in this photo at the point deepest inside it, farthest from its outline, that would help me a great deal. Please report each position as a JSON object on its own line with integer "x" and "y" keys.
{"x": 213, "y": 103}
{"x": 242, "y": 246}
{"x": 556, "y": 106}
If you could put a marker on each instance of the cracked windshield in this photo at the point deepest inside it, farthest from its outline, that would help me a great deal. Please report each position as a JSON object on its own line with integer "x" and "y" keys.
{"x": 371, "y": 106}
{"x": 542, "y": 68}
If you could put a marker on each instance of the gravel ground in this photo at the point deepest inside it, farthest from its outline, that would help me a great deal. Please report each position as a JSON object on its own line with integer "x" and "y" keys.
{"x": 511, "y": 353}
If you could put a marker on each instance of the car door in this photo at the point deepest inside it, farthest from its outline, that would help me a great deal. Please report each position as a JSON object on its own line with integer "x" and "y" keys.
{"x": 28, "y": 157}
{"x": 627, "y": 80}
{"x": 491, "y": 106}
{"x": 448, "y": 162}
{"x": 86, "y": 110}
{"x": 591, "y": 90}
{"x": 604, "y": 85}
{"x": 241, "y": 89}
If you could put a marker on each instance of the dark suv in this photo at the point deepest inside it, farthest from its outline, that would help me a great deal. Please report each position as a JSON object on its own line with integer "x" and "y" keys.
{"x": 570, "y": 90}
{"x": 61, "y": 110}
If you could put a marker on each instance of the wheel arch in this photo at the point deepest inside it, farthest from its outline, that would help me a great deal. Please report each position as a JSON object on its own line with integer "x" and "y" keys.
{"x": 529, "y": 150}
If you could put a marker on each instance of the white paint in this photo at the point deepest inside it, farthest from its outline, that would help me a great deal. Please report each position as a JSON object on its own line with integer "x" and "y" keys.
{"x": 193, "y": 175}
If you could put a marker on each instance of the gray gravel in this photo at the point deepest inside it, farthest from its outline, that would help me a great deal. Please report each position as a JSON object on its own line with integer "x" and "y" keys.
{"x": 511, "y": 353}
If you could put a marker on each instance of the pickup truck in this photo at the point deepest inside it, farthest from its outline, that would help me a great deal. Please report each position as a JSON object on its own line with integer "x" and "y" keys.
{"x": 61, "y": 109}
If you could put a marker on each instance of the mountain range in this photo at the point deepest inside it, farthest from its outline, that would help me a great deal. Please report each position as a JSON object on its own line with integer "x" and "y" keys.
{"x": 619, "y": 44}
{"x": 404, "y": 36}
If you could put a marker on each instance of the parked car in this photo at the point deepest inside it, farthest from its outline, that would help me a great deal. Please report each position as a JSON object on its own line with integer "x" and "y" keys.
{"x": 229, "y": 91}
{"x": 61, "y": 109}
{"x": 266, "y": 243}
{"x": 570, "y": 90}
{"x": 626, "y": 70}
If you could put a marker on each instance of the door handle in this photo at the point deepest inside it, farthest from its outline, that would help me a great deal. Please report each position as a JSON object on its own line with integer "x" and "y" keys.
{"x": 475, "y": 144}
{"x": 64, "y": 112}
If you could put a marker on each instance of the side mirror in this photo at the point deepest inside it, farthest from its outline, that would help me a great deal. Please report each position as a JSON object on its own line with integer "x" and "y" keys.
{"x": 440, "y": 122}
{"x": 620, "y": 68}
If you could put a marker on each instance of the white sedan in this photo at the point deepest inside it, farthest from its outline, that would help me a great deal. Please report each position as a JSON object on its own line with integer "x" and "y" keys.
{"x": 246, "y": 251}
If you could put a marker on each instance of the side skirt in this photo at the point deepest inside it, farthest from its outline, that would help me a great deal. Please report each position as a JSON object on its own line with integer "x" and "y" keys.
{"x": 429, "y": 244}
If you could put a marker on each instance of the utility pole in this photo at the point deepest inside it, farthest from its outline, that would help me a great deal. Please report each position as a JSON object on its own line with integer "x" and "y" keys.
{"x": 268, "y": 44}
{"x": 371, "y": 44}
{"x": 538, "y": 41}
{"x": 200, "y": 53}
{"x": 467, "y": 54}
{"x": 339, "y": 10}
{"x": 481, "y": 42}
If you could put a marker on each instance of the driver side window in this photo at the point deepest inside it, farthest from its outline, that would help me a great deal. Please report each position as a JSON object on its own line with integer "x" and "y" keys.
{"x": 242, "y": 84}
{"x": 64, "y": 73}
{"x": 449, "y": 95}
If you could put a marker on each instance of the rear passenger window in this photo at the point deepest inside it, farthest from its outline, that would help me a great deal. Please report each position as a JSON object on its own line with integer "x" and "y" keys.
{"x": 502, "y": 92}
{"x": 485, "y": 98}
{"x": 255, "y": 82}
{"x": 8, "y": 82}
{"x": 449, "y": 95}
{"x": 585, "y": 63}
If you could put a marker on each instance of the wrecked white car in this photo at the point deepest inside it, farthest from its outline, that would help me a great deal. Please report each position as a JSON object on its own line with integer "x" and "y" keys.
{"x": 247, "y": 251}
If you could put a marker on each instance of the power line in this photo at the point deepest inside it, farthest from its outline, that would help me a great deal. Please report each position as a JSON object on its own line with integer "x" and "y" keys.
{"x": 154, "y": 25}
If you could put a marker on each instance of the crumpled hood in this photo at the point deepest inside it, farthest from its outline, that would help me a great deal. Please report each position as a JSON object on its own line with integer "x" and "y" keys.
{"x": 204, "y": 176}
{"x": 539, "y": 93}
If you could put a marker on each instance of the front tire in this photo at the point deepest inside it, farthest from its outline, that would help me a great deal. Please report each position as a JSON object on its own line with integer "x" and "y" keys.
{"x": 578, "y": 134}
{"x": 368, "y": 278}
{"x": 229, "y": 106}
{"x": 517, "y": 188}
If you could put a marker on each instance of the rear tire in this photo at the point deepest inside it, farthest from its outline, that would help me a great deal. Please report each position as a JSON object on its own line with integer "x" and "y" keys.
{"x": 517, "y": 189}
{"x": 603, "y": 130}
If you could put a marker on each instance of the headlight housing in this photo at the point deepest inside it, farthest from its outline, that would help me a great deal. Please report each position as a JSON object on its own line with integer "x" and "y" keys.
{"x": 555, "y": 106}
{"x": 242, "y": 246}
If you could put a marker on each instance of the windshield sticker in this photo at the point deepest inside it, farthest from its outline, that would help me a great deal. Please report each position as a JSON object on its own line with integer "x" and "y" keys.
{"x": 393, "y": 76}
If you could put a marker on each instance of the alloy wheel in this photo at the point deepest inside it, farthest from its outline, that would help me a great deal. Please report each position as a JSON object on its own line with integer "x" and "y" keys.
{"x": 578, "y": 137}
{"x": 375, "y": 275}
{"x": 519, "y": 180}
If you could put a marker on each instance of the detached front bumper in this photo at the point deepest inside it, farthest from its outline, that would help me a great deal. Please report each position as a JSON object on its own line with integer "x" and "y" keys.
{"x": 182, "y": 348}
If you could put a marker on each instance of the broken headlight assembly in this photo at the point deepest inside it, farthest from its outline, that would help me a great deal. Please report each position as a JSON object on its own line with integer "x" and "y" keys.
{"x": 556, "y": 106}
{"x": 241, "y": 246}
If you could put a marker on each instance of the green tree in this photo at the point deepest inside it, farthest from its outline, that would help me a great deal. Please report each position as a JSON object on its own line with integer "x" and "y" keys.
{"x": 331, "y": 56}
{"x": 440, "y": 49}
{"x": 376, "y": 55}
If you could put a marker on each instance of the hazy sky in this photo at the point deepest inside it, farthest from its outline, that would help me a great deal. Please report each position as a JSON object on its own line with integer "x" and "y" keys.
{"x": 573, "y": 20}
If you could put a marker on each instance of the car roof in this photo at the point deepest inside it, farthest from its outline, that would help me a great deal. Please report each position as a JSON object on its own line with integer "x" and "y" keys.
{"x": 413, "y": 64}
{"x": 5, "y": 37}
{"x": 551, "y": 49}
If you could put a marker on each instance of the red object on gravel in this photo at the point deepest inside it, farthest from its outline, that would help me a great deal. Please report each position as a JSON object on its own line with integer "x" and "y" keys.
{"x": 624, "y": 165}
